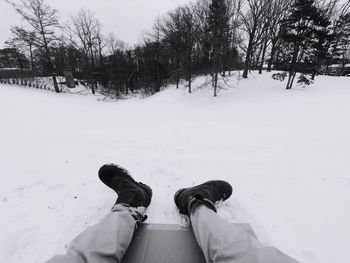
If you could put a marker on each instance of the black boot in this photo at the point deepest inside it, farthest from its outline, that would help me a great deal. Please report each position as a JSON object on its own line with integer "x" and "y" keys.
{"x": 208, "y": 193}
{"x": 130, "y": 192}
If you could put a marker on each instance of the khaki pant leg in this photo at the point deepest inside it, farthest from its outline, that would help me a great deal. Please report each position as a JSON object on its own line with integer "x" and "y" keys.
{"x": 105, "y": 242}
{"x": 223, "y": 242}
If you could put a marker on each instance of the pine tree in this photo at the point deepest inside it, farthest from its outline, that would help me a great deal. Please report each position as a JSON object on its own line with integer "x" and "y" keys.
{"x": 306, "y": 39}
{"x": 321, "y": 41}
{"x": 340, "y": 45}
{"x": 219, "y": 29}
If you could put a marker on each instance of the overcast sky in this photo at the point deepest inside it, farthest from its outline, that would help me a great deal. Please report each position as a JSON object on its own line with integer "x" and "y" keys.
{"x": 128, "y": 19}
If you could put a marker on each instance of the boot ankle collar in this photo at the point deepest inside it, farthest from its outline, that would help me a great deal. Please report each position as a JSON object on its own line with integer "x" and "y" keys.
{"x": 198, "y": 200}
{"x": 136, "y": 212}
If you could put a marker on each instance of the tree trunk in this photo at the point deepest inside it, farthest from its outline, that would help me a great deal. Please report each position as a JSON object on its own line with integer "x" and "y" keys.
{"x": 313, "y": 75}
{"x": 289, "y": 80}
{"x": 291, "y": 83}
{"x": 55, "y": 83}
{"x": 190, "y": 72}
{"x": 93, "y": 87}
{"x": 31, "y": 57}
{"x": 177, "y": 62}
{"x": 246, "y": 66}
{"x": 273, "y": 51}
{"x": 47, "y": 51}
{"x": 257, "y": 62}
{"x": 158, "y": 78}
{"x": 100, "y": 53}
{"x": 292, "y": 72}
{"x": 247, "y": 59}
{"x": 327, "y": 68}
{"x": 93, "y": 71}
{"x": 215, "y": 84}
{"x": 340, "y": 72}
{"x": 263, "y": 57}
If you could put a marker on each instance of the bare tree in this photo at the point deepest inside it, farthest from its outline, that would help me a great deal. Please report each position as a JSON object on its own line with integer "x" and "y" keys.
{"x": 253, "y": 25}
{"x": 172, "y": 30}
{"x": 190, "y": 28}
{"x": 271, "y": 30}
{"x": 85, "y": 34}
{"x": 100, "y": 43}
{"x": 221, "y": 36}
{"x": 234, "y": 7}
{"x": 279, "y": 11}
{"x": 43, "y": 20}
{"x": 154, "y": 39}
{"x": 114, "y": 44}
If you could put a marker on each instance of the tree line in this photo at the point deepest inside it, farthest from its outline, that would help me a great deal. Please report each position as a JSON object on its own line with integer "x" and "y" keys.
{"x": 207, "y": 37}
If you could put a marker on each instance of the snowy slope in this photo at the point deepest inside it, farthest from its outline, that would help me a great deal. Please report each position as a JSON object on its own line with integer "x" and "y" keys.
{"x": 286, "y": 153}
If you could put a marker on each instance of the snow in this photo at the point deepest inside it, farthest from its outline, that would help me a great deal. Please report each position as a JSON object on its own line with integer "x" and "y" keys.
{"x": 286, "y": 153}
{"x": 9, "y": 68}
{"x": 339, "y": 65}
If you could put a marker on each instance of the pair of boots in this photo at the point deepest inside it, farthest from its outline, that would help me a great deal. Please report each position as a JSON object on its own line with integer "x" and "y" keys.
{"x": 137, "y": 196}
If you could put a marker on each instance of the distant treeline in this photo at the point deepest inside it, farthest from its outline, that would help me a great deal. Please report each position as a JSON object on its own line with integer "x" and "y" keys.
{"x": 210, "y": 37}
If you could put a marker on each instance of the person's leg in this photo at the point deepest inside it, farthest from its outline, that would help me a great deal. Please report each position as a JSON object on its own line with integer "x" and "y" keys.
{"x": 105, "y": 242}
{"x": 108, "y": 241}
{"x": 222, "y": 241}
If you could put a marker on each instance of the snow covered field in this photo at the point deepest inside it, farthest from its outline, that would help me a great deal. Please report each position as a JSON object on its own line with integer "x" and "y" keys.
{"x": 286, "y": 153}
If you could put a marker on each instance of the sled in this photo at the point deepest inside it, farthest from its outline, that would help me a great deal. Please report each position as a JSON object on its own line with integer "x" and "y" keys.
{"x": 156, "y": 243}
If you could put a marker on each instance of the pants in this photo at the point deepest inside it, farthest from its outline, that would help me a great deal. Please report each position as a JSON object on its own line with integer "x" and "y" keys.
{"x": 220, "y": 241}
{"x": 223, "y": 242}
{"x": 105, "y": 242}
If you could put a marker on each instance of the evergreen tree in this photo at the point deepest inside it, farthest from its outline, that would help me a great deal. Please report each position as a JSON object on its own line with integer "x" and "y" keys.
{"x": 219, "y": 28}
{"x": 305, "y": 37}
{"x": 322, "y": 38}
{"x": 340, "y": 45}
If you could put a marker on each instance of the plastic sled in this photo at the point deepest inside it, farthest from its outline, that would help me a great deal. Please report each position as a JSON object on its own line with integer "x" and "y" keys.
{"x": 155, "y": 243}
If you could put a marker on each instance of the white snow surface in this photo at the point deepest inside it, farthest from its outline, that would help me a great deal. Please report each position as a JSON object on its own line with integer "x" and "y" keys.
{"x": 286, "y": 153}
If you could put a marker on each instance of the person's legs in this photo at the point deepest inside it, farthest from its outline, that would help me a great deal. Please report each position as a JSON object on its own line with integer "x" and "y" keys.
{"x": 108, "y": 241}
{"x": 105, "y": 242}
{"x": 220, "y": 241}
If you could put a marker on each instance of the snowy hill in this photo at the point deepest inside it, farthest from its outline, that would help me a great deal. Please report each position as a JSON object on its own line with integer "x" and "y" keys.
{"x": 286, "y": 153}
